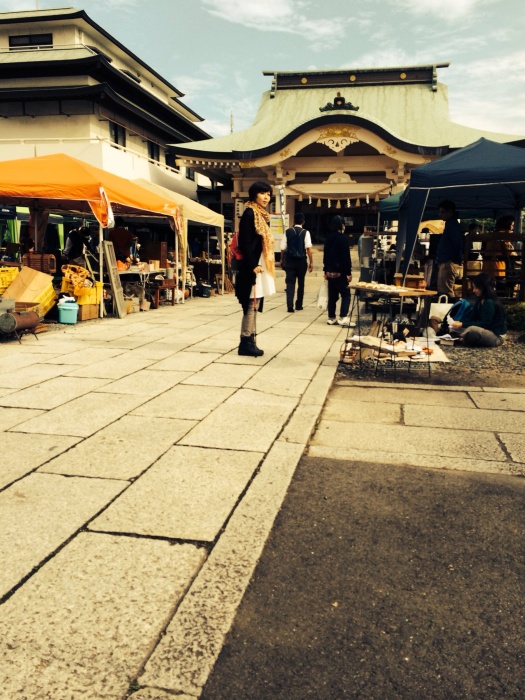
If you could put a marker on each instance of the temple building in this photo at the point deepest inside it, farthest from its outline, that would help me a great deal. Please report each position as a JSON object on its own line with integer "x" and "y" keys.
{"x": 338, "y": 141}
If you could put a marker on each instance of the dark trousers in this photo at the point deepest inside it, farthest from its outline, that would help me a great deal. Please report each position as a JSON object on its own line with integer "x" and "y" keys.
{"x": 338, "y": 288}
{"x": 295, "y": 272}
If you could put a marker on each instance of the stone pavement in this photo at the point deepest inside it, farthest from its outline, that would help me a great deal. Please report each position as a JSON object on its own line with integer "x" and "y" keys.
{"x": 145, "y": 462}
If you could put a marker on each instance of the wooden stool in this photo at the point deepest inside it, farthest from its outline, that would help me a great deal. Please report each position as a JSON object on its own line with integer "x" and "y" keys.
{"x": 165, "y": 284}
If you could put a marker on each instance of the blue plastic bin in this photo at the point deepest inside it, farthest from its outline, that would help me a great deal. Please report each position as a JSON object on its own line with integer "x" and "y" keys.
{"x": 68, "y": 312}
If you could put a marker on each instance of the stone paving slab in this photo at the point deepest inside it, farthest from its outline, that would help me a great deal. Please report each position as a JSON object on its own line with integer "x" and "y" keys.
{"x": 15, "y": 362}
{"x": 122, "y": 450}
{"x": 88, "y": 356}
{"x": 506, "y": 390}
{"x": 223, "y": 375}
{"x": 427, "y": 396}
{"x": 403, "y": 458}
{"x": 33, "y": 375}
{"x": 52, "y": 393}
{"x": 260, "y": 418}
{"x": 115, "y": 368}
{"x": 515, "y": 445}
{"x": 402, "y": 385}
{"x": 83, "y": 625}
{"x": 148, "y": 382}
{"x": 158, "y": 350}
{"x": 501, "y": 401}
{"x": 40, "y": 513}
{"x": 153, "y": 694}
{"x": 318, "y": 388}
{"x": 191, "y": 402}
{"x": 187, "y": 495}
{"x": 301, "y": 425}
{"x": 465, "y": 418}
{"x": 27, "y": 452}
{"x": 186, "y": 361}
{"x": 187, "y": 651}
{"x": 81, "y": 417}
{"x": 220, "y": 344}
{"x": 404, "y": 440}
{"x": 11, "y": 417}
{"x": 343, "y": 407}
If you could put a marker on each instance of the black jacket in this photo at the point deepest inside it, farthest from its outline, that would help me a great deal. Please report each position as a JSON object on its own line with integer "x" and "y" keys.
{"x": 336, "y": 257}
{"x": 250, "y": 244}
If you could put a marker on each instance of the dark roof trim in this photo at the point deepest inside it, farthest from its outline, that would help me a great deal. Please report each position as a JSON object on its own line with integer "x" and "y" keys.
{"x": 98, "y": 67}
{"x": 101, "y": 93}
{"x": 81, "y": 14}
{"x": 302, "y": 129}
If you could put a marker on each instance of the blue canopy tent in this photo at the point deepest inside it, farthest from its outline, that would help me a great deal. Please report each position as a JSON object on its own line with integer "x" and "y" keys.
{"x": 485, "y": 177}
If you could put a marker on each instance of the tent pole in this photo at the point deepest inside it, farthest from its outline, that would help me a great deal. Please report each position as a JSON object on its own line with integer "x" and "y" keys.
{"x": 101, "y": 268}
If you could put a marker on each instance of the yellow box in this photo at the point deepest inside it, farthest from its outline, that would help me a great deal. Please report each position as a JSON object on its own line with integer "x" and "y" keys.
{"x": 90, "y": 295}
{"x": 46, "y": 300}
{"x": 411, "y": 281}
{"x": 7, "y": 275}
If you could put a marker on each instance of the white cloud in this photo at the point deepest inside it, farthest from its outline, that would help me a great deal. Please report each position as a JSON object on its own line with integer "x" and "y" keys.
{"x": 287, "y": 16}
{"x": 447, "y": 10}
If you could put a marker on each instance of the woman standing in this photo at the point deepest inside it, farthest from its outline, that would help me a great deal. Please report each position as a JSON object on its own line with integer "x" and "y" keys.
{"x": 255, "y": 278}
{"x": 487, "y": 325}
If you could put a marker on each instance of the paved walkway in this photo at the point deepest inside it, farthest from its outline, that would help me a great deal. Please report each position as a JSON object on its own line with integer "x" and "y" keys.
{"x": 144, "y": 464}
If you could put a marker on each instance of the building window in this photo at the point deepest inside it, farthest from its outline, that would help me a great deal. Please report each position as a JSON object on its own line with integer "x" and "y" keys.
{"x": 117, "y": 134}
{"x": 30, "y": 41}
{"x": 190, "y": 173}
{"x": 153, "y": 151}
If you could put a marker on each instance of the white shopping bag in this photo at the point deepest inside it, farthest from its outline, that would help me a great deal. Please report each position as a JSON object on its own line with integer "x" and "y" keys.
{"x": 322, "y": 297}
{"x": 440, "y": 309}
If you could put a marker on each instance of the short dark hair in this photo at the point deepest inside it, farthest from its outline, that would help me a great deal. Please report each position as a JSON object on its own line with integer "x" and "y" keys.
{"x": 119, "y": 221}
{"x": 298, "y": 218}
{"x": 258, "y": 188}
{"x": 505, "y": 222}
{"x": 447, "y": 205}
{"x": 338, "y": 223}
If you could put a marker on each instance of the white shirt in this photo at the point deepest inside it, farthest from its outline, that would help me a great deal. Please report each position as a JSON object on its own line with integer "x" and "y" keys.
{"x": 307, "y": 238}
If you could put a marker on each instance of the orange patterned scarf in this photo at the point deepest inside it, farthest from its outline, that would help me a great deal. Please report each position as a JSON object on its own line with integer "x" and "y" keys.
{"x": 262, "y": 226}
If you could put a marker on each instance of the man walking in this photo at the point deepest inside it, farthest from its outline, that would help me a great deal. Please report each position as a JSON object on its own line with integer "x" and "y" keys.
{"x": 296, "y": 244}
{"x": 449, "y": 254}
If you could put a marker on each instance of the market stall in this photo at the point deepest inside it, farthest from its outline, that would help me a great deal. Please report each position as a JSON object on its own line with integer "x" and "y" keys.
{"x": 58, "y": 183}
{"x": 485, "y": 177}
{"x": 192, "y": 211}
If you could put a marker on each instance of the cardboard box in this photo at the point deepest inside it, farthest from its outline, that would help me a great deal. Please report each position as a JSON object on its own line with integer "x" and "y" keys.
{"x": 32, "y": 285}
{"x": 87, "y": 312}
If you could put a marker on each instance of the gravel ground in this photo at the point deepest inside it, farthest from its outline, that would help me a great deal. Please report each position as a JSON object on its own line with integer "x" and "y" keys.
{"x": 495, "y": 367}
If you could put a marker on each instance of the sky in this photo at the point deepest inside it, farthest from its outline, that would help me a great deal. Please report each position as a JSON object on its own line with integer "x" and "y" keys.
{"x": 215, "y": 51}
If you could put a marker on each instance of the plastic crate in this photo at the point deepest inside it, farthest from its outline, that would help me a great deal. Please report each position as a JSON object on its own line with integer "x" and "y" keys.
{"x": 46, "y": 300}
{"x": 7, "y": 275}
{"x": 89, "y": 295}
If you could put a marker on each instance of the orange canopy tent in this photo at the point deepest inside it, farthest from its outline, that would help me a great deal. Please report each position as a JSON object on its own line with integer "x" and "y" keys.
{"x": 60, "y": 183}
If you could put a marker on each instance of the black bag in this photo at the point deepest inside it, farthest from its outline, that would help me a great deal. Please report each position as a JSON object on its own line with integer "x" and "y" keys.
{"x": 295, "y": 248}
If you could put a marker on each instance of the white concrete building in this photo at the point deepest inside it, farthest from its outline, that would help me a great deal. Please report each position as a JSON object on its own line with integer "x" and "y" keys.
{"x": 67, "y": 86}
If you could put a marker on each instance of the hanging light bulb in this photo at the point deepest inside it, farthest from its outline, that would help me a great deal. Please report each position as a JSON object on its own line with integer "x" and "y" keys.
{"x": 329, "y": 203}
{"x": 318, "y": 202}
{"x": 309, "y": 199}
{"x": 338, "y": 205}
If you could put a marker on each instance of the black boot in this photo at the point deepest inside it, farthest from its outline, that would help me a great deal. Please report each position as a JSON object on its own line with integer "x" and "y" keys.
{"x": 247, "y": 346}
{"x": 257, "y": 351}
